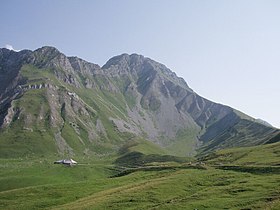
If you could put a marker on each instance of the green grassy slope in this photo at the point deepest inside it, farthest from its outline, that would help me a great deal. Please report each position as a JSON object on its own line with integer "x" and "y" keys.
{"x": 31, "y": 132}
{"x": 185, "y": 189}
{"x": 88, "y": 187}
{"x": 20, "y": 139}
{"x": 268, "y": 154}
{"x": 243, "y": 133}
{"x": 139, "y": 152}
{"x": 39, "y": 184}
{"x": 141, "y": 145}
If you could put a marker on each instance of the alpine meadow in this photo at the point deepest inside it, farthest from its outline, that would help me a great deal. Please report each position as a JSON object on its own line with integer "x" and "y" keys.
{"x": 142, "y": 139}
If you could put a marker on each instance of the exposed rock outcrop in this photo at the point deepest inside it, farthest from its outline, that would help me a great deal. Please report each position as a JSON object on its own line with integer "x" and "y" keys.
{"x": 83, "y": 108}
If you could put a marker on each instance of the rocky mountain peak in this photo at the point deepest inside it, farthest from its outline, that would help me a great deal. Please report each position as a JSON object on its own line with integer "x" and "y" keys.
{"x": 83, "y": 66}
{"x": 48, "y": 51}
{"x": 49, "y": 57}
{"x": 124, "y": 60}
{"x": 131, "y": 95}
{"x": 138, "y": 65}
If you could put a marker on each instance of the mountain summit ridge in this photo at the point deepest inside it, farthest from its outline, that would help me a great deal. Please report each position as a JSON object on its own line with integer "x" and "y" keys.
{"x": 78, "y": 107}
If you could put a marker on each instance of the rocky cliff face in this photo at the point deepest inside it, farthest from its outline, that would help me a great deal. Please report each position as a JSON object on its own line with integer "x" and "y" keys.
{"x": 77, "y": 107}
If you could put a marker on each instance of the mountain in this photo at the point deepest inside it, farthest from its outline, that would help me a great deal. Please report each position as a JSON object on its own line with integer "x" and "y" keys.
{"x": 51, "y": 104}
{"x": 264, "y": 122}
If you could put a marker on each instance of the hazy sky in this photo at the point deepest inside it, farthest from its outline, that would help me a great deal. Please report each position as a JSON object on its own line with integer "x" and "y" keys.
{"x": 227, "y": 50}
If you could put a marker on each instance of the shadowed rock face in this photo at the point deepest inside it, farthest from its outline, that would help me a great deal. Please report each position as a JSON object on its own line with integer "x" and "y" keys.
{"x": 10, "y": 64}
{"x": 129, "y": 96}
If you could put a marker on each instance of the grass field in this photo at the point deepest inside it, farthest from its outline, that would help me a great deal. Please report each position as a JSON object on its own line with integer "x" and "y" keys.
{"x": 99, "y": 184}
{"x": 268, "y": 154}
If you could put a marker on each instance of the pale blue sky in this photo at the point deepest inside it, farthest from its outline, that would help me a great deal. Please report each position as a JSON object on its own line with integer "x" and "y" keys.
{"x": 227, "y": 50}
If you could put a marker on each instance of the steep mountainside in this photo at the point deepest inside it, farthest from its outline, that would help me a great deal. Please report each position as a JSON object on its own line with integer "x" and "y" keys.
{"x": 53, "y": 104}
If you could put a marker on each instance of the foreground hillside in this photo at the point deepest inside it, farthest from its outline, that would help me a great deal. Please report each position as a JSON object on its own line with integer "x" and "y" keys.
{"x": 245, "y": 178}
{"x": 51, "y": 104}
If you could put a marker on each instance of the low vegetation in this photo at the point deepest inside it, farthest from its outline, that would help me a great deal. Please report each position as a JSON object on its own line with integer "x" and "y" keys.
{"x": 211, "y": 182}
{"x": 101, "y": 117}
